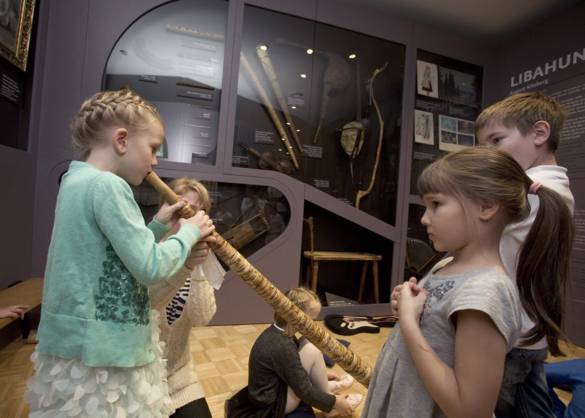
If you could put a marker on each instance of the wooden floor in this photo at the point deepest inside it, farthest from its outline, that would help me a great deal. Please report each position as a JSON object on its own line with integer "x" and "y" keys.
{"x": 221, "y": 356}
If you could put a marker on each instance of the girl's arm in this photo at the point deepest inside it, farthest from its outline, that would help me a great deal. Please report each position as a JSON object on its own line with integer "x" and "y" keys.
{"x": 472, "y": 387}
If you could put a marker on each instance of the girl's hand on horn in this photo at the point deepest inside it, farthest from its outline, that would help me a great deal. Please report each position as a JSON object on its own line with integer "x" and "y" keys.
{"x": 168, "y": 213}
{"x": 201, "y": 221}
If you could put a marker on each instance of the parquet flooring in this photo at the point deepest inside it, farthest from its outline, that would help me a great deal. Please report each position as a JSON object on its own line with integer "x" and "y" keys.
{"x": 221, "y": 357}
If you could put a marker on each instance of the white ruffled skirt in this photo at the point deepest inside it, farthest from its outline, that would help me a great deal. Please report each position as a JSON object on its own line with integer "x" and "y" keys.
{"x": 68, "y": 388}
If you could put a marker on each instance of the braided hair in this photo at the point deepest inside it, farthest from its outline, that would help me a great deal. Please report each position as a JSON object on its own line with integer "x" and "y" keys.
{"x": 105, "y": 109}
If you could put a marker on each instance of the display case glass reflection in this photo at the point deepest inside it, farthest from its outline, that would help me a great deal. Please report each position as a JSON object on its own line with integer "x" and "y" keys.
{"x": 321, "y": 104}
{"x": 173, "y": 56}
{"x": 247, "y": 216}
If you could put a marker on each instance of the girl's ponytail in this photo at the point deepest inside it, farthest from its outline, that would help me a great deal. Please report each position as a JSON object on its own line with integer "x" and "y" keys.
{"x": 543, "y": 268}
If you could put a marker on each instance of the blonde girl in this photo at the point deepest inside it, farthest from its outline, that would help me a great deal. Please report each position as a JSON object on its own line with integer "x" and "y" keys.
{"x": 97, "y": 354}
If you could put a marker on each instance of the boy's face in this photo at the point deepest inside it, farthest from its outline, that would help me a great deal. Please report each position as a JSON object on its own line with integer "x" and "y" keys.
{"x": 510, "y": 140}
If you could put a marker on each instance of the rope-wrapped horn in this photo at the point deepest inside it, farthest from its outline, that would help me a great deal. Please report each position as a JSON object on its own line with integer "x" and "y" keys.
{"x": 346, "y": 359}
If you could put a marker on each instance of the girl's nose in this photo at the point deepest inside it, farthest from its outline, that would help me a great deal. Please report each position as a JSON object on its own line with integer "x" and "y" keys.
{"x": 425, "y": 218}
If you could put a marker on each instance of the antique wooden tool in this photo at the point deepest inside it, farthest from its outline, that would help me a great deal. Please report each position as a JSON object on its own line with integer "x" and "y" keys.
{"x": 337, "y": 76}
{"x": 267, "y": 160}
{"x": 269, "y": 108}
{"x": 346, "y": 359}
{"x": 271, "y": 75}
{"x": 363, "y": 193}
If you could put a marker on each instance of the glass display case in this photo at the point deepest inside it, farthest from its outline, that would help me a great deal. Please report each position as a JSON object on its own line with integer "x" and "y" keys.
{"x": 323, "y": 105}
{"x": 247, "y": 216}
{"x": 174, "y": 56}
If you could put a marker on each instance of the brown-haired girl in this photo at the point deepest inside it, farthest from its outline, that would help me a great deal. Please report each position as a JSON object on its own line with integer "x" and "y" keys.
{"x": 99, "y": 352}
{"x": 446, "y": 357}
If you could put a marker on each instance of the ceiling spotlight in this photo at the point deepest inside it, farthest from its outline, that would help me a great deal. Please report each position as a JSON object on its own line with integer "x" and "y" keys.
{"x": 310, "y": 51}
{"x": 287, "y": 123}
{"x": 293, "y": 107}
{"x": 352, "y": 56}
{"x": 263, "y": 47}
{"x": 303, "y": 75}
{"x": 298, "y": 130}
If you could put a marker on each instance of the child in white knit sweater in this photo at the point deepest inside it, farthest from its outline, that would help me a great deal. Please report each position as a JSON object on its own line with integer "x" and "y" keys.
{"x": 192, "y": 305}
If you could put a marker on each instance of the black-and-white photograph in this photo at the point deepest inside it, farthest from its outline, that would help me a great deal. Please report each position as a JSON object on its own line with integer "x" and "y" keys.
{"x": 423, "y": 127}
{"x": 466, "y": 127}
{"x": 448, "y": 137}
{"x": 427, "y": 79}
{"x": 458, "y": 87}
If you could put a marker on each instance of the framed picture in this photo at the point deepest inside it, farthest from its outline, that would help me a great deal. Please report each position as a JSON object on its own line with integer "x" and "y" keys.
{"x": 427, "y": 79}
{"x": 455, "y": 134}
{"x": 423, "y": 127}
{"x": 16, "y": 19}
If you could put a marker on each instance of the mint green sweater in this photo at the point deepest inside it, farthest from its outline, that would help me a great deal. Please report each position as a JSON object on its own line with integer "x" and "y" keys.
{"x": 101, "y": 260}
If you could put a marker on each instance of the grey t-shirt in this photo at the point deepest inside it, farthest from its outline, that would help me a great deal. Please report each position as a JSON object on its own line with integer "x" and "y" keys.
{"x": 395, "y": 388}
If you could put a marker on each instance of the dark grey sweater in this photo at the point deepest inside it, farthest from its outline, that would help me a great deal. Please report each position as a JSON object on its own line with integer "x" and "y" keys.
{"x": 274, "y": 360}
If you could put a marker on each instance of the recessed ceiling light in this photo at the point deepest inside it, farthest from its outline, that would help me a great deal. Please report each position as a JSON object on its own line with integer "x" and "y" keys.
{"x": 303, "y": 75}
{"x": 352, "y": 56}
{"x": 310, "y": 51}
{"x": 263, "y": 47}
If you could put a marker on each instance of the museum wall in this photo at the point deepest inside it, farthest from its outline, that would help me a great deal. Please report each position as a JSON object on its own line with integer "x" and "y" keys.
{"x": 18, "y": 160}
{"x": 550, "y": 57}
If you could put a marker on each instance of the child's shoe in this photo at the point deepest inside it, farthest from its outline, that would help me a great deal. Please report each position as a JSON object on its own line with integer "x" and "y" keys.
{"x": 336, "y": 386}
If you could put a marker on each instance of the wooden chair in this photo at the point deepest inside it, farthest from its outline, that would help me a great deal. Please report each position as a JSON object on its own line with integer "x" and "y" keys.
{"x": 314, "y": 257}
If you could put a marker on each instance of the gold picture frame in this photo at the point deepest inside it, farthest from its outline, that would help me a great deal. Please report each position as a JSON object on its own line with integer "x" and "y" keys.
{"x": 16, "y": 19}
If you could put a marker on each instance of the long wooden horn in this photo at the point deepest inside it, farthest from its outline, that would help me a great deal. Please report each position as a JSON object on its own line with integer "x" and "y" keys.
{"x": 348, "y": 360}
{"x": 269, "y": 108}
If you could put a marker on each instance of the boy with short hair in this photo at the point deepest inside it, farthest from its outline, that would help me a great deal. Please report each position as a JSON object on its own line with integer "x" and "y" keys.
{"x": 527, "y": 126}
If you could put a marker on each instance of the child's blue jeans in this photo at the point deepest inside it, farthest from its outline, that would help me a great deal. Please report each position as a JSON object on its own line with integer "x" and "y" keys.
{"x": 524, "y": 392}
{"x": 568, "y": 375}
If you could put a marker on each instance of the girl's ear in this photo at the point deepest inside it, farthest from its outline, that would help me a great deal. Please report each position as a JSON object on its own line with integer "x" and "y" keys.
{"x": 487, "y": 210}
{"x": 541, "y": 131}
{"x": 120, "y": 140}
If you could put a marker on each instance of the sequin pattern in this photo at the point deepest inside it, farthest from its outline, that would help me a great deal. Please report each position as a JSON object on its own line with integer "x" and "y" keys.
{"x": 436, "y": 292}
{"x": 120, "y": 298}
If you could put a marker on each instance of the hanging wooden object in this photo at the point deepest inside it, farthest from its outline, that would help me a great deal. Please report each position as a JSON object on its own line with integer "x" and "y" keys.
{"x": 271, "y": 75}
{"x": 270, "y": 109}
{"x": 362, "y": 193}
{"x": 267, "y": 160}
{"x": 337, "y": 76}
{"x": 322, "y": 339}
